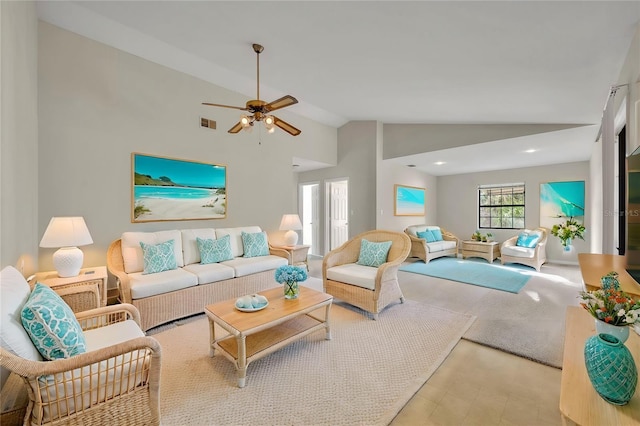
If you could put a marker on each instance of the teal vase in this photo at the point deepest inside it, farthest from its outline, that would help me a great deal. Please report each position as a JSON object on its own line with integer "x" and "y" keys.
{"x": 611, "y": 368}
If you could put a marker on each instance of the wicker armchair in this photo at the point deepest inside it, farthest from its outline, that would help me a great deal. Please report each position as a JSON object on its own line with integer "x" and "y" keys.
{"x": 510, "y": 252}
{"x": 383, "y": 280}
{"x": 429, "y": 251}
{"x": 116, "y": 383}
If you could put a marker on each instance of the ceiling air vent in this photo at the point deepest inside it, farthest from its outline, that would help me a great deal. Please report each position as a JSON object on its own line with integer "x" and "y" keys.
{"x": 209, "y": 124}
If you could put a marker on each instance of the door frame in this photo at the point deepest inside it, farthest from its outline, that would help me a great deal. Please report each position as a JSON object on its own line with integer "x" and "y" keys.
{"x": 319, "y": 213}
{"x": 327, "y": 209}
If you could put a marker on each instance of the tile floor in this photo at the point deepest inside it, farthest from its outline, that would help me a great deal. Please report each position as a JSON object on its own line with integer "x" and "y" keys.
{"x": 477, "y": 385}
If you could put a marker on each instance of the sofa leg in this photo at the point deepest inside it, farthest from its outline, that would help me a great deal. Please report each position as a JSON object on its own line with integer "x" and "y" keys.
{"x": 401, "y": 299}
{"x": 375, "y": 317}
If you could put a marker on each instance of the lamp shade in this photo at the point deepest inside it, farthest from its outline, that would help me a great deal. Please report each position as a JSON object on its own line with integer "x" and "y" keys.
{"x": 290, "y": 223}
{"x": 66, "y": 232}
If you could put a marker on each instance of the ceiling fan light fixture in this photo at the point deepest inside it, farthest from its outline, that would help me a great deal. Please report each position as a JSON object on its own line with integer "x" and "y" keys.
{"x": 245, "y": 120}
{"x": 268, "y": 120}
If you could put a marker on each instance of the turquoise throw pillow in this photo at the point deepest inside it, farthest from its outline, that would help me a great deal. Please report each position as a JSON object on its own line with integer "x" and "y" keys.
{"x": 437, "y": 234}
{"x": 522, "y": 238}
{"x": 158, "y": 257}
{"x": 427, "y": 235}
{"x": 373, "y": 254}
{"x": 52, "y": 325}
{"x": 255, "y": 244}
{"x": 213, "y": 251}
{"x": 527, "y": 240}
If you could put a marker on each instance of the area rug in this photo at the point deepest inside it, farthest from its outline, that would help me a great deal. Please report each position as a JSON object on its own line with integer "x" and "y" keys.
{"x": 364, "y": 375}
{"x": 529, "y": 324}
{"x": 478, "y": 273}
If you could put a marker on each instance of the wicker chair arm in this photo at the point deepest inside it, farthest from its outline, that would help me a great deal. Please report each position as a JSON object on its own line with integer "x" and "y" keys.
{"x": 280, "y": 253}
{"x": 100, "y": 317}
{"x": 34, "y": 369}
{"x": 510, "y": 242}
{"x": 115, "y": 265}
{"x": 346, "y": 253}
{"x": 448, "y": 236}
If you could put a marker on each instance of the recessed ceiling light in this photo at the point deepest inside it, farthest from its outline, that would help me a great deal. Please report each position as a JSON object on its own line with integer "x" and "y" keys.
{"x": 411, "y": 165}
{"x": 529, "y": 151}
{"x": 440, "y": 163}
{"x": 296, "y": 165}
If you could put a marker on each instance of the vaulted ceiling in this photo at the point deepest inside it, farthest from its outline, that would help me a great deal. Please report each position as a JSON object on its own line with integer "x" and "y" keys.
{"x": 454, "y": 62}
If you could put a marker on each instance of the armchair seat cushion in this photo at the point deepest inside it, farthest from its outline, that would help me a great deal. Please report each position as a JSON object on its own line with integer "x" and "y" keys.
{"x": 253, "y": 265}
{"x": 517, "y": 251}
{"x": 354, "y": 274}
{"x": 441, "y": 245}
{"x": 103, "y": 337}
{"x": 147, "y": 285}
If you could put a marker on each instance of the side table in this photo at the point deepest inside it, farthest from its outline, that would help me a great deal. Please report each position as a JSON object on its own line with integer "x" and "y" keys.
{"x": 297, "y": 254}
{"x": 86, "y": 291}
{"x": 486, "y": 250}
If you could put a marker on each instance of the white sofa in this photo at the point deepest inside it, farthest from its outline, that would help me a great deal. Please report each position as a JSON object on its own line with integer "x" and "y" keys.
{"x": 427, "y": 251}
{"x": 169, "y": 295}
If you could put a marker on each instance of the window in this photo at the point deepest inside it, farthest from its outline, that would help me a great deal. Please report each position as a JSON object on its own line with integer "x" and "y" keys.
{"x": 501, "y": 206}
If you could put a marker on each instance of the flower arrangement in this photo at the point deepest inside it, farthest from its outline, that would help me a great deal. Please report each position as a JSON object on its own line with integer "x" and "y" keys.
{"x": 290, "y": 274}
{"x": 571, "y": 229}
{"x": 611, "y": 305}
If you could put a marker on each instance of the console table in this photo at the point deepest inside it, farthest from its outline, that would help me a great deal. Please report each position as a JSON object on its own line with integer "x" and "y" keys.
{"x": 579, "y": 402}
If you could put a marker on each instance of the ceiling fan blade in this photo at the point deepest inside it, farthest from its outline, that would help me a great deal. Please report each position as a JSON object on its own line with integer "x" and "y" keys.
{"x": 286, "y": 126}
{"x": 284, "y": 101}
{"x": 236, "y": 128}
{"x": 226, "y": 106}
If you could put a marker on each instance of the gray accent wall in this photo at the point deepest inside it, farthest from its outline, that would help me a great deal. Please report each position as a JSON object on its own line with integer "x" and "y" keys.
{"x": 19, "y": 236}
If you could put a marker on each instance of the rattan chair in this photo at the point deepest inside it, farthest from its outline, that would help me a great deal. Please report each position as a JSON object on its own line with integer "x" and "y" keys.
{"x": 118, "y": 384}
{"x": 534, "y": 257}
{"x": 384, "y": 279}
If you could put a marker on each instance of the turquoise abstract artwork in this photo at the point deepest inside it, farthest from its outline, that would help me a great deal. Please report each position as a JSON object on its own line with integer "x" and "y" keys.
{"x": 171, "y": 189}
{"x": 560, "y": 201}
{"x": 409, "y": 201}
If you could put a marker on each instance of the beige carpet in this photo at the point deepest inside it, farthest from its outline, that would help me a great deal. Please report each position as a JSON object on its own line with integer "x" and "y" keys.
{"x": 363, "y": 376}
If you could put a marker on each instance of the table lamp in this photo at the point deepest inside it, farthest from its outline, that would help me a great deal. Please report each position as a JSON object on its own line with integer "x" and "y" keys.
{"x": 66, "y": 233}
{"x": 290, "y": 223}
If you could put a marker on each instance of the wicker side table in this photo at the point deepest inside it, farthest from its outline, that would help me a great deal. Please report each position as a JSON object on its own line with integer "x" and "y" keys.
{"x": 86, "y": 291}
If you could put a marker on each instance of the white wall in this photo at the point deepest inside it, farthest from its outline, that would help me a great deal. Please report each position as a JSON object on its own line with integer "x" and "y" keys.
{"x": 98, "y": 104}
{"x": 19, "y": 148}
{"x": 457, "y": 205}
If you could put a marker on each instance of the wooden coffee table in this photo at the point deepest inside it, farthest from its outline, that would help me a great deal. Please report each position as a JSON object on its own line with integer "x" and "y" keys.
{"x": 253, "y": 335}
{"x": 486, "y": 250}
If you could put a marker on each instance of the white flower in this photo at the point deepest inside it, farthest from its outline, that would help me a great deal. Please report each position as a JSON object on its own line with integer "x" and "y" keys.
{"x": 621, "y": 313}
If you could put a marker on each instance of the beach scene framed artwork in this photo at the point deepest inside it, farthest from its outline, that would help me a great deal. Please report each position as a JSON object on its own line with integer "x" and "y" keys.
{"x": 172, "y": 189}
{"x": 408, "y": 201}
{"x": 560, "y": 201}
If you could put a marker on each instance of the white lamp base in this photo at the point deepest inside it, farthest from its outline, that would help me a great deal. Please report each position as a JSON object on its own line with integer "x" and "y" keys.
{"x": 68, "y": 261}
{"x": 290, "y": 238}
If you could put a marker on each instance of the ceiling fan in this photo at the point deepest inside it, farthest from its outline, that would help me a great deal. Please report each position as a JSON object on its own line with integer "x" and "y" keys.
{"x": 261, "y": 110}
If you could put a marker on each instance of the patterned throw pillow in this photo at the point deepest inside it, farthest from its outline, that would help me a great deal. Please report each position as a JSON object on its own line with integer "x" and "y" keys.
{"x": 437, "y": 234}
{"x": 214, "y": 251}
{"x": 158, "y": 257}
{"x": 528, "y": 240}
{"x": 52, "y": 325}
{"x": 427, "y": 235}
{"x": 255, "y": 244}
{"x": 373, "y": 254}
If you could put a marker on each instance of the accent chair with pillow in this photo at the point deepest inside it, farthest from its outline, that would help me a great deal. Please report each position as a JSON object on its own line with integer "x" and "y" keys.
{"x": 529, "y": 248}
{"x": 429, "y": 242}
{"x": 92, "y": 367}
{"x": 364, "y": 271}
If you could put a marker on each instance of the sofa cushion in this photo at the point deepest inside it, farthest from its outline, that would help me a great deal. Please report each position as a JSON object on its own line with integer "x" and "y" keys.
{"x": 441, "y": 245}
{"x": 14, "y": 293}
{"x": 52, "y": 325}
{"x": 427, "y": 236}
{"x": 163, "y": 282}
{"x": 158, "y": 257}
{"x": 132, "y": 251}
{"x": 414, "y": 229}
{"x": 211, "y": 272}
{"x": 517, "y": 251}
{"x": 372, "y": 253}
{"x": 354, "y": 274}
{"x": 236, "y": 237}
{"x": 190, "y": 249}
{"x": 252, "y": 265}
{"x": 255, "y": 244}
{"x": 213, "y": 251}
